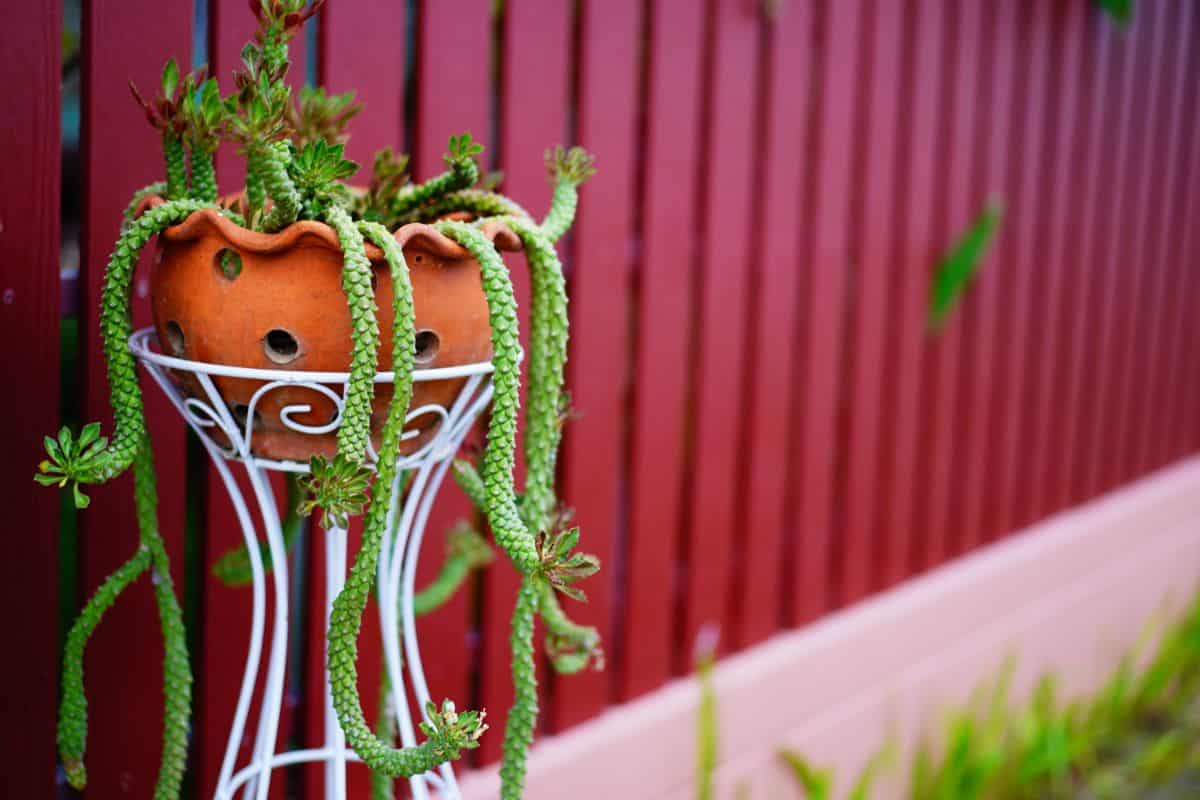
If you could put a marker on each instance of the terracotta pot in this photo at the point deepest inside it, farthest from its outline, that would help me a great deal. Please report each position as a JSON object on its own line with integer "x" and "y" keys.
{"x": 285, "y": 310}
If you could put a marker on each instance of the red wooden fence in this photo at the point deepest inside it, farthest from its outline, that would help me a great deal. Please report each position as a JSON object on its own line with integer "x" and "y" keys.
{"x": 768, "y": 430}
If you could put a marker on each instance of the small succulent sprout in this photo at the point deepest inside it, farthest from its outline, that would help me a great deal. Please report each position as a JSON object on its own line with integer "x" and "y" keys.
{"x": 338, "y": 487}
{"x": 389, "y": 174}
{"x": 317, "y": 170}
{"x": 165, "y": 111}
{"x": 561, "y": 567}
{"x": 320, "y": 116}
{"x": 572, "y": 166}
{"x": 570, "y": 655}
{"x": 462, "y": 149}
{"x": 286, "y": 15}
{"x": 204, "y": 116}
{"x": 451, "y": 732}
{"x": 72, "y": 460}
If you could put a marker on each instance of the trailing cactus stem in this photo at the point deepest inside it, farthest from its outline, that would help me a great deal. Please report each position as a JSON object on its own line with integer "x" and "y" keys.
{"x": 582, "y": 641}
{"x": 177, "y": 671}
{"x": 278, "y": 184}
{"x": 548, "y": 332}
{"x": 204, "y": 177}
{"x": 355, "y": 430}
{"x": 562, "y": 210}
{"x": 498, "y": 460}
{"x": 255, "y": 195}
{"x": 176, "y": 159}
{"x": 111, "y": 458}
{"x": 449, "y": 733}
{"x": 158, "y": 187}
{"x": 522, "y": 717}
{"x": 72, "y": 709}
{"x": 477, "y": 201}
{"x": 462, "y": 174}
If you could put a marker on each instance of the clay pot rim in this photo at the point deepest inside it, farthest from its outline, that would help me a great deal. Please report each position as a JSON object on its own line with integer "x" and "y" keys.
{"x": 311, "y": 232}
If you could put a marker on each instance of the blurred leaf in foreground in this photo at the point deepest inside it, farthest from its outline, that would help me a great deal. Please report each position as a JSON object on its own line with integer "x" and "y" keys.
{"x": 954, "y": 274}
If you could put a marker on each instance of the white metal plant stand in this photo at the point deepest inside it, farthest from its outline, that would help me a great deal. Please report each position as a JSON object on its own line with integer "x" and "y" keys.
{"x": 397, "y": 562}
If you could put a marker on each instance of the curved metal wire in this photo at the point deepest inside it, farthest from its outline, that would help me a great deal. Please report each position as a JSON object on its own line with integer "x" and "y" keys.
{"x": 208, "y": 415}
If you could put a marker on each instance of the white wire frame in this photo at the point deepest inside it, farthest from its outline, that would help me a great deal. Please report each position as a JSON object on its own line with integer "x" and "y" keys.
{"x": 397, "y": 563}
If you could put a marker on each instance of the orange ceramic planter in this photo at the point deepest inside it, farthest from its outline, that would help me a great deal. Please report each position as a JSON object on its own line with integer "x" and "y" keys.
{"x": 285, "y": 310}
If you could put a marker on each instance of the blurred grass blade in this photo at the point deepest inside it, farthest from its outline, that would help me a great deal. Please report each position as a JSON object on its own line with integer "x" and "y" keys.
{"x": 957, "y": 269}
{"x": 1120, "y": 10}
{"x": 816, "y": 783}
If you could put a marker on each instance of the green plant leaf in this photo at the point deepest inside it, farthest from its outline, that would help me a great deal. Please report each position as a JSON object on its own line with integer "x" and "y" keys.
{"x": 816, "y": 782}
{"x": 958, "y": 267}
{"x": 1120, "y": 10}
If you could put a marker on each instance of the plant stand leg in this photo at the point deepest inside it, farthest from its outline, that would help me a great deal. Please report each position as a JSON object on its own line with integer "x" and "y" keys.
{"x": 228, "y": 441}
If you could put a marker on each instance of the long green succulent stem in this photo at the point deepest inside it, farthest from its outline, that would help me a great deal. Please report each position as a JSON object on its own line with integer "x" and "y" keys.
{"x": 158, "y": 187}
{"x": 355, "y": 430}
{"x": 256, "y": 195}
{"x": 463, "y": 173}
{"x": 272, "y": 164}
{"x": 568, "y": 169}
{"x": 477, "y": 201}
{"x": 72, "y": 709}
{"x": 203, "y": 175}
{"x": 448, "y": 732}
{"x": 92, "y": 460}
{"x": 177, "y": 671}
{"x": 507, "y": 525}
{"x": 522, "y": 717}
{"x": 176, "y": 160}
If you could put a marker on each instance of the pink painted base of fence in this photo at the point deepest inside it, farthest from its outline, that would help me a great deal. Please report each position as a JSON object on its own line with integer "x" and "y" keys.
{"x": 1070, "y": 594}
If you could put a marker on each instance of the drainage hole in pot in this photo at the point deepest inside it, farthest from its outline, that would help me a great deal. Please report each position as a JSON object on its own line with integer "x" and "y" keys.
{"x": 427, "y": 346}
{"x": 418, "y": 258}
{"x": 239, "y": 413}
{"x": 228, "y": 263}
{"x": 174, "y": 338}
{"x": 280, "y": 346}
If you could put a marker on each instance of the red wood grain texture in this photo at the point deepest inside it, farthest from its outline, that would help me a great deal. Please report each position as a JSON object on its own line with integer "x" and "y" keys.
{"x": 1024, "y": 263}
{"x": 832, "y": 151}
{"x": 773, "y": 346}
{"x": 600, "y": 369}
{"x": 1173, "y": 441}
{"x": 1138, "y": 270}
{"x": 915, "y": 248}
{"x": 664, "y": 323}
{"x": 719, "y": 358}
{"x": 1047, "y": 343}
{"x": 1115, "y": 61}
{"x": 121, "y": 153}
{"x": 29, "y": 323}
{"x": 869, "y": 339}
{"x": 1080, "y": 252}
{"x": 225, "y": 624}
{"x": 1151, "y": 403}
{"x": 998, "y": 61}
{"x": 362, "y": 49}
{"x": 454, "y": 47}
{"x": 1106, "y": 445}
{"x": 957, "y": 209}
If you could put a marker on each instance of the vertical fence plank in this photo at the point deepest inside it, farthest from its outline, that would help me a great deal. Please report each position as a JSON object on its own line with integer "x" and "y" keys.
{"x": 773, "y": 353}
{"x": 1185, "y": 191}
{"x": 828, "y": 244}
{"x": 999, "y": 57}
{"x": 1048, "y": 347}
{"x": 454, "y": 48}
{"x": 1151, "y": 404}
{"x": 1116, "y": 104}
{"x": 664, "y": 325}
{"x": 1079, "y": 251}
{"x": 869, "y": 332}
{"x": 914, "y": 246}
{"x": 1136, "y": 270}
{"x": 1034, "y": 28}
{"x": 718, "y": 359}
{"x": 121, "y": 153}
{"x": 957, "y": 208}
{"x": 29, "y": 315}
